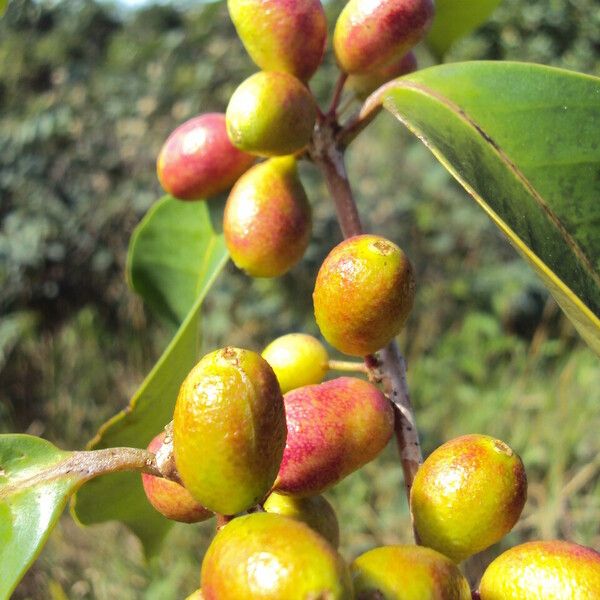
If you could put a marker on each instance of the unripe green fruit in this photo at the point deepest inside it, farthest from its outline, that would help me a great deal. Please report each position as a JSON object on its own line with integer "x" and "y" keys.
{"x": 364, "y": 84}
{"x": 169, "y": 498}
{"x": 467, "y": 495}
{"x": 334, "y": 428}
{"x": 407, "y": 573}
{"x": 265, "y": 556}
{"x": 229, "y": 430}
{"x": 199, "y": 161}
{"x": 370, "y": 33}
{"x": 363, "y": 294}
{"x": 315, "y": 511}
{"x": 551, "y": 570}
{"x": 267, "y": 220}
{"x": 271, "y": 114}
{"x": 280, "y": 35}
{"x": 298, "y": 359}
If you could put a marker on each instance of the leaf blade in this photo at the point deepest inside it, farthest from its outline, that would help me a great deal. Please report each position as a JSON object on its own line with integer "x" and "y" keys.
{"x": 455, "y": 19}
{"x": 488, "y": 124}
{"x": 30, "y": 504}
{"x": 120, "y": 496}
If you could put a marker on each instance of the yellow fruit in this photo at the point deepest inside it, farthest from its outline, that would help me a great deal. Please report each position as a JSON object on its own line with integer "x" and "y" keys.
{"x": 271, "y": 114}
{"x": 298, "y": 359}
{"x": 263, "y": 556}
{"x": 315, "y": 511}
{"x": 197, "y": 595}
{"x": 363, "y": 294}
{"x": 553, "y": 570}
{"x": 407, "y": 573}
{"x": 229, "y": 430}
{"x": 467, "y": 495}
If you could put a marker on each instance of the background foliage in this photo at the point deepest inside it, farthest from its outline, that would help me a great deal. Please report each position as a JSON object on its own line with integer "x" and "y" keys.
{"x": 88, "y": 93}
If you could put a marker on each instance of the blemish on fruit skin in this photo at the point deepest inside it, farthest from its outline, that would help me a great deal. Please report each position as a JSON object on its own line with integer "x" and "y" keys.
{"x": 503, "y": 448}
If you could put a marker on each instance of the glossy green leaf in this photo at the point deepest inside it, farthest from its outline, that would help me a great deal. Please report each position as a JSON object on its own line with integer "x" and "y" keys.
{"x": 160, "y": 271}
{"x": 169, "y": 253}
{"x": 456, "y": 18}
{"x": 524, "y": 141}
{"x": 35, "y": 484}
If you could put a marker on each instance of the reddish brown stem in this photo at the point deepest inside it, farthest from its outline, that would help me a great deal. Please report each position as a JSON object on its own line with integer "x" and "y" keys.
{"x": 391, "y": 369}
{"x": 337, "y": 95}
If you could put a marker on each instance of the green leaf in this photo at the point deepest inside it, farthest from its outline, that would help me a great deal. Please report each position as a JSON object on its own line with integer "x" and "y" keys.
{"x": 168, "y": 254}
{"x": 175, "y": 250}
{"x": 524, "y": 141}
{"x": 35, "y": 484}
{"x": 3, "y": 5}
{"x": 456, "y": 18}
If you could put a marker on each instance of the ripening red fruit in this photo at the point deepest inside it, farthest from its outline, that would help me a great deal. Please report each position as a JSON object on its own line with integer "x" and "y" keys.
{"x": 198, "y": 161}
{"x": 168, "y": 497}
{"x": 267, "y": 219}
{"x": 369, "y": 33}
{"x": 280, "y": 35}
{"x": 334, "y": 428}
{"x": 364, "y": 84}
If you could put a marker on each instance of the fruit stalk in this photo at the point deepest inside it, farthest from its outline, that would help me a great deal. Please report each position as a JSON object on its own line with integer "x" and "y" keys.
{"x": 391, "y": 370}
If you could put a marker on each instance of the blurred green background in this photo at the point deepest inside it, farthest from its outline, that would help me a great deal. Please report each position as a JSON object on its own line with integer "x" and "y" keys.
{"x": 88, "y": 92}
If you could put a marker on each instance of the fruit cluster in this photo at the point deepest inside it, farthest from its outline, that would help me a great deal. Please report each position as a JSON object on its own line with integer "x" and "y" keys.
{"x": 262, "y": 459}
{"x": 257, "y": 439}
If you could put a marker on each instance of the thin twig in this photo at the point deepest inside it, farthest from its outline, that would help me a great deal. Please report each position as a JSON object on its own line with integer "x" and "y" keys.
{"x": 337, "y": 95}
{"x": 347, "y": 365}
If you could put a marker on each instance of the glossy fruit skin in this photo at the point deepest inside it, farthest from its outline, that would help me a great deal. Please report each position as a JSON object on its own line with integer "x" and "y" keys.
{"x": 280, "y": 35}
{"x": 198, "y": 161}
{"x": 467, "y": 495}
{"x": 298, "y": 359}
{"x": 363, "y": 84}
{"x": 315, "y": 511}
{"x": 268, "y": 219}
{"x": 407, "y": 573}
{"x": 271, "y": 114}
{"x": 169, "y": 498}
{"x": 264, "y": 556}
{"x": 552, "y": 570}
{"x": 370, "y": 33}
{"x": 363, "y": 294}
{"x": 229, "y": 430}
{"x": 334, "y": 428}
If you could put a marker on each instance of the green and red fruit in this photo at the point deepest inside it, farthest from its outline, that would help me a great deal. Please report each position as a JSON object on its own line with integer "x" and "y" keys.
{"x": 467, "y": 495}
{"x": 552, "y": 570}
{"x": 363, "y": 84}
{"x": 271, "y": 557}
{"x": 280, "y": 35}
{"x": 229, "y": 430}
{"x": 198, "y": 161}
{"x": 363, "y": 294}
{"x": 271, "y": 114}
{"x": 370, "y": 33}
{"x": 169, "y": 498}
{"x": 407, "y": 573}
{"x": 267, "y": 220}
{"x": 334, "y": 428}
{"x": 315, "y": 511}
